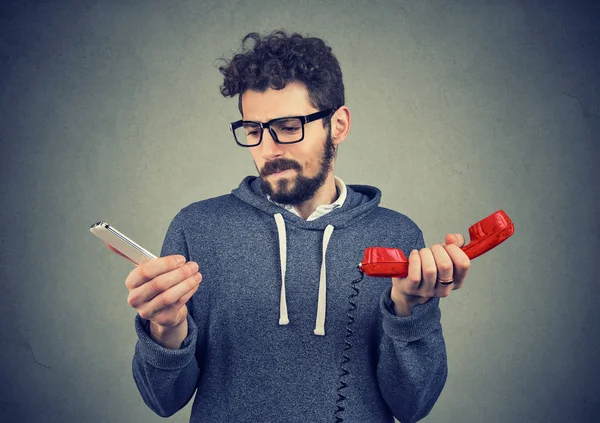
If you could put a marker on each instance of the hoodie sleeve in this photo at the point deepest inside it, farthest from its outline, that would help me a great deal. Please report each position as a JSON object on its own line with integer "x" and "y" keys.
{"x": 166, "y": 378}
{"x": 412, "y": 367}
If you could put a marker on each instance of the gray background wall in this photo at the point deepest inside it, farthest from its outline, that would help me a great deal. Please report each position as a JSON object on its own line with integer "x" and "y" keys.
{"x": 110, "y": 111}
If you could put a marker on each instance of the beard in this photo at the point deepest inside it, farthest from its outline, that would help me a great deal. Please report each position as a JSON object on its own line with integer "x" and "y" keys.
{"x": 304, "y": 188}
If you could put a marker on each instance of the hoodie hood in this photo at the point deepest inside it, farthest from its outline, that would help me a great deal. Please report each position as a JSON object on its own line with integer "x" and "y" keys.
{"x": 360, "y": 200}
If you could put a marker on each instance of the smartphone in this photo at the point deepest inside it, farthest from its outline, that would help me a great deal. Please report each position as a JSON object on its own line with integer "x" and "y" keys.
{"x": 120, "y": 242}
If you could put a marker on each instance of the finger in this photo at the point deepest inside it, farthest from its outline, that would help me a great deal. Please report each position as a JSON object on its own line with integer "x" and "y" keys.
{"x": 443, "y": 263}
{"x": 173, "y": 297}
{"x": 170, "y": 311}
{"x": 151, "y": 269}
{"x": 166, "y": 316}
{"x": 161, "y": 283}
{"x": 114, "y": 250}
{"x": 186, "y": 297}
{"x": 181, "y": 301}
{"x": 456, "y": 239}
{"x": 414, "y": 272}
{"x": 428, "y": 272}
{"x": 461, "y": 263}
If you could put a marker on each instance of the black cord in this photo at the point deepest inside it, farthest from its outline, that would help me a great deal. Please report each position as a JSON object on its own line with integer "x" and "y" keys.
{"x": 343, "y": 372}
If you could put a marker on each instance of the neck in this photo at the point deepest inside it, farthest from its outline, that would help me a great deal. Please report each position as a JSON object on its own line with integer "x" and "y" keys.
{"x": 327, "y": 194}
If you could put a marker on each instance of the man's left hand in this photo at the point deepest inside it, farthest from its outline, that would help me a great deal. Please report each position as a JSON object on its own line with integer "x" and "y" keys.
{"x": 428, "y": 269}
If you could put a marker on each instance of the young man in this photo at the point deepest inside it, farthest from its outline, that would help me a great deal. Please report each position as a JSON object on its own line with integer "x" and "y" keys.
{"x": 268, "y": 336}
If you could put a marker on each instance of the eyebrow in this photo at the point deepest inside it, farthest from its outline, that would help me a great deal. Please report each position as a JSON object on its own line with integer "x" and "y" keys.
{"x": 280, "y": 117}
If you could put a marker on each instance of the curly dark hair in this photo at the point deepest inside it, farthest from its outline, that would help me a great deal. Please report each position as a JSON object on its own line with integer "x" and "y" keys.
{"x": 276, "y": 60}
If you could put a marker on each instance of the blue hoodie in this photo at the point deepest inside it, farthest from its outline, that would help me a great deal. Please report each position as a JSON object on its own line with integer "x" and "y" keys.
{"x": 268, "y": 324}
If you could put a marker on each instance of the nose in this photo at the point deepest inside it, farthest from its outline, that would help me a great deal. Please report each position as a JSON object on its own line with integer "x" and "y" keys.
{"x": 269, "y": 148}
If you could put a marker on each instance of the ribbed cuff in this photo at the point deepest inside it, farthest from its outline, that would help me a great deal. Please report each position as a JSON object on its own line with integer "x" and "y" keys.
{"x": 423, "y": 319}
{"x": 159, "y": 356}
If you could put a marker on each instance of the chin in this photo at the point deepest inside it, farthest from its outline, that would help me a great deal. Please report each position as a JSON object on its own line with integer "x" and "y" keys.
{"x": 283, "y": 184}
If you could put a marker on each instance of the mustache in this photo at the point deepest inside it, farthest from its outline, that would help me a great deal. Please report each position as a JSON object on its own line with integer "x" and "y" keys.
{"x": 279, "y": 166}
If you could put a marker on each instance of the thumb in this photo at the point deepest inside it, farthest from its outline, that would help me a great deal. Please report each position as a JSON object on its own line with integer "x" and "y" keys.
{"x": 456, "y": 239}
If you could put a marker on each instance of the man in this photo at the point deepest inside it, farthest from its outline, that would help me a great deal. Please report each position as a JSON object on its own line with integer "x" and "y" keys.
{"x": 256, "y": 323}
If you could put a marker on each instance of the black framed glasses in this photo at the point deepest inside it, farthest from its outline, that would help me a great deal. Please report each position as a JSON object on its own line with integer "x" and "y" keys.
{"x": 284, "y": 130}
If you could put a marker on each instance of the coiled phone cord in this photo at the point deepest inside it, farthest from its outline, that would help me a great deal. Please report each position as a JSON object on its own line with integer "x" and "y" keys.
{"x": 343, "y": 372}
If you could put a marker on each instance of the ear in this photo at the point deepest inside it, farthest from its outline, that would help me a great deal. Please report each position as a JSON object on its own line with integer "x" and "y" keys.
{"x": 340, "y": 125}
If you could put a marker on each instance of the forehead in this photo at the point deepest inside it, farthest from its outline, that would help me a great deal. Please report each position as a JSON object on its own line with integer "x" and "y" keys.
{"x": 293, "y": 100}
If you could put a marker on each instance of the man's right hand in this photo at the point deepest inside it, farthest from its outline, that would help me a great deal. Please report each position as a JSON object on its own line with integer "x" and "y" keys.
{"x": 160, "y": 288}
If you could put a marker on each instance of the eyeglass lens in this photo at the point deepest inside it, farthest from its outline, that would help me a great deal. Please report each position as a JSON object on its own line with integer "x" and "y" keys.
{"x": 286, "y": 130}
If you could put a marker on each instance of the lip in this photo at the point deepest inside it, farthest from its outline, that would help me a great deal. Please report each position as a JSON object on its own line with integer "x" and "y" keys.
{"x": 283, "y": 172}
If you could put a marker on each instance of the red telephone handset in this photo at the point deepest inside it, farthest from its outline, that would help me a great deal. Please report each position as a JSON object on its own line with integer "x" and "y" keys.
{"x": 486, "y": 234}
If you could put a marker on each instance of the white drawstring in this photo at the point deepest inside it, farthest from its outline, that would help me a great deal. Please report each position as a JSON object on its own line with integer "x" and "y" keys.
{"x": 322, "y": 303}
{"x": 283, "y": 314}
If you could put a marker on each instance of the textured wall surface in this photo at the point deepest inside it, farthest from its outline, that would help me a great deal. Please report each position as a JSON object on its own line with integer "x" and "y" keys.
{"x": 110, "y": 110}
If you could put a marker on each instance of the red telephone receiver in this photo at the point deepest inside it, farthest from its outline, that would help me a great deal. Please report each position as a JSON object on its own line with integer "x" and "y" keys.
{"x": 385, "y": 262}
